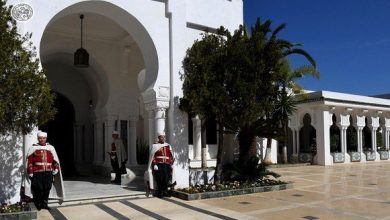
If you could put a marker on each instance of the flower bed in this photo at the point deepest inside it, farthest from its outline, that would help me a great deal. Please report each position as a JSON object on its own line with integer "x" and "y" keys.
{"x": 230, "y": 189}
{"x": 18, "y": 211}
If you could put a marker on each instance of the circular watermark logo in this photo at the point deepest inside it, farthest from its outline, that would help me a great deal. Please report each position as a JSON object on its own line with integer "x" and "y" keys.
{"x": 22, "y": 12}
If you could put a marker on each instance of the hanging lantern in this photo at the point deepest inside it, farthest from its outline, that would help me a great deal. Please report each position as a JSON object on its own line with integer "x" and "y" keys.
{"x": 81, "y": 56}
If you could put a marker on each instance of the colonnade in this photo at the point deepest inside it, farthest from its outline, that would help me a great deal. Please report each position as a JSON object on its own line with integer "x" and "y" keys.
{"x": 321, "y": 120}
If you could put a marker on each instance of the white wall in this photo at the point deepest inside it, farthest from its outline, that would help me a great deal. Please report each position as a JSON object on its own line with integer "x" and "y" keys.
{"x": 215, "y": 13}
{"x": 11, "y": 169}
{"x": 159, "y": 30}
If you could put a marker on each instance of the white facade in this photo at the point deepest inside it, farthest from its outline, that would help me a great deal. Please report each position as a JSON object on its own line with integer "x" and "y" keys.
{"x": 136, "y": 48}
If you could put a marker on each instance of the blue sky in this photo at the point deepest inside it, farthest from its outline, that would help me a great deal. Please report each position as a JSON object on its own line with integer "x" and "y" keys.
{"x": 349, "y": 39}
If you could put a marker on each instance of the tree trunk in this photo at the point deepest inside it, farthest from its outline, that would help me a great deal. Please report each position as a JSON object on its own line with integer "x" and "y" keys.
{"x": 218, "y": 168}
{"x": 247, "y": 142}
{"x": 248, "y": 158}
{"x": 267, "y": 159}
{"x": 285, "y": 160}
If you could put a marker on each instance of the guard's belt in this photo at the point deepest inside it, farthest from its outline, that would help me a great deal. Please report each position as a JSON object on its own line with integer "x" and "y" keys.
{"x": 42, "y": 164}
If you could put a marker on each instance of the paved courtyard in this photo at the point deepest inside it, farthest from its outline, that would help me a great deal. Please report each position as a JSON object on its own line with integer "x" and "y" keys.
{"x": 352, "y": 191}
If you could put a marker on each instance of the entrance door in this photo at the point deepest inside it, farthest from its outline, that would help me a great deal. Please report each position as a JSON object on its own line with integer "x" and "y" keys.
{"x": 61, "y": 134}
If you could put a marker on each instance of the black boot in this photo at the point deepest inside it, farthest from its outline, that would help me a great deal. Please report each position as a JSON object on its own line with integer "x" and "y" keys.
{"x": 45, "y": 206}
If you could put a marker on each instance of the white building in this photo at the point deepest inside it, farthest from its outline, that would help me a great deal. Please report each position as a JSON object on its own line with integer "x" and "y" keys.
{"x": 340, "y": 128}
{"x": 132, "y": 84}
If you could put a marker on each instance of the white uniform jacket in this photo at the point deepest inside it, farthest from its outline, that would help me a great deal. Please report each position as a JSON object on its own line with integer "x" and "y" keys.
{"x": 148, "y": 176}
{"x": 56, "y": 192}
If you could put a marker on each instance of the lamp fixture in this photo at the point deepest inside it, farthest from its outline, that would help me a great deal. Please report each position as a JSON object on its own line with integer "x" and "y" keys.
{"x": 81, "y": 56}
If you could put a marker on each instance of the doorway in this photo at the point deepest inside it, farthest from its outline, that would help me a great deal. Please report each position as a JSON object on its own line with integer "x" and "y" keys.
{"x": 61, "y": 134}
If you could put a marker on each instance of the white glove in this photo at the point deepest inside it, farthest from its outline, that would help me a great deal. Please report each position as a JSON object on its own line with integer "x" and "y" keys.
{"x": 155, "y": 167}
{"x": 55, "y": 172}
{"x": 30, "y": 176}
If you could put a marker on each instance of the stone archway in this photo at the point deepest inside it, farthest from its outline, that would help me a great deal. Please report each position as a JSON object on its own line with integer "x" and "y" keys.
{"x": 106, "y": 94}
{"x": 367, "y": 137}
{"x": 335, "y": 139}
{"x": 307, "y": 136}
{"x": 352, "y": 137}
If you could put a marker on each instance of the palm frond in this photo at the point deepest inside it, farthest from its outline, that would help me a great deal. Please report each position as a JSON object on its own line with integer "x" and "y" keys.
{"x": 278, "y": 29}
{"x": 301, "y": 52}
{"x": 305, "y": 70}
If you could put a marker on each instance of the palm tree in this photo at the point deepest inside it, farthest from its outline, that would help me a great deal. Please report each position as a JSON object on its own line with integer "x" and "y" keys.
{"x": 286, "y": 101}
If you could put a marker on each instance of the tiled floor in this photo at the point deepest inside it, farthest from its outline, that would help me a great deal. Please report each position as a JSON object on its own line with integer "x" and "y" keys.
{"x": 344, "y": 191}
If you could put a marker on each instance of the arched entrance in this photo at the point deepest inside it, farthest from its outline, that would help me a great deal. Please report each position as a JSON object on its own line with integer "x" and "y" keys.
{"x": 106, "y": 96}
{"x": 335, "y": 140}
{"x": 307, "y": 136}
{"x": 61, "y": 133}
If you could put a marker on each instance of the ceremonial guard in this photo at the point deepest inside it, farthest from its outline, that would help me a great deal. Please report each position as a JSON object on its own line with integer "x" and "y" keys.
{"x": 43, "y": 166}
{"x": 160, "y": 169}
{"x": 118, "y": 157}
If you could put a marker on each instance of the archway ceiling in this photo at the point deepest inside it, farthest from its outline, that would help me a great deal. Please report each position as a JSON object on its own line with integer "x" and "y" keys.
{"x": 95, "y": 26}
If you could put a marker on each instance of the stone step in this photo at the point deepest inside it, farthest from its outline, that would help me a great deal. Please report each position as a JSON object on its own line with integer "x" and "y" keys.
{"x": 97, "y": 189}
{"x": 96, "y": 199}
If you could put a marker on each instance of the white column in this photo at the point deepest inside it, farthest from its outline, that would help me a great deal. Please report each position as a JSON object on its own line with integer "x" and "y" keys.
{"x": 109, "y": 128}
{"x": 197, "y": 137}
{"x": 323, "y": 137}
{"x": 373, "y": 139}
{"x": 159, "y": 121}
{"x": 360, "y": 138}
{"x": 132, "y": 142}
{"x": 385, "y": 140}
{"x": 151, "y": 140}
{"x": 386, "y": 128}
{"x": 343, "y": 139}
{"x": 386, "y": 133}
{"x": 374, "y": 126}
{"x": 99, "y": 145}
